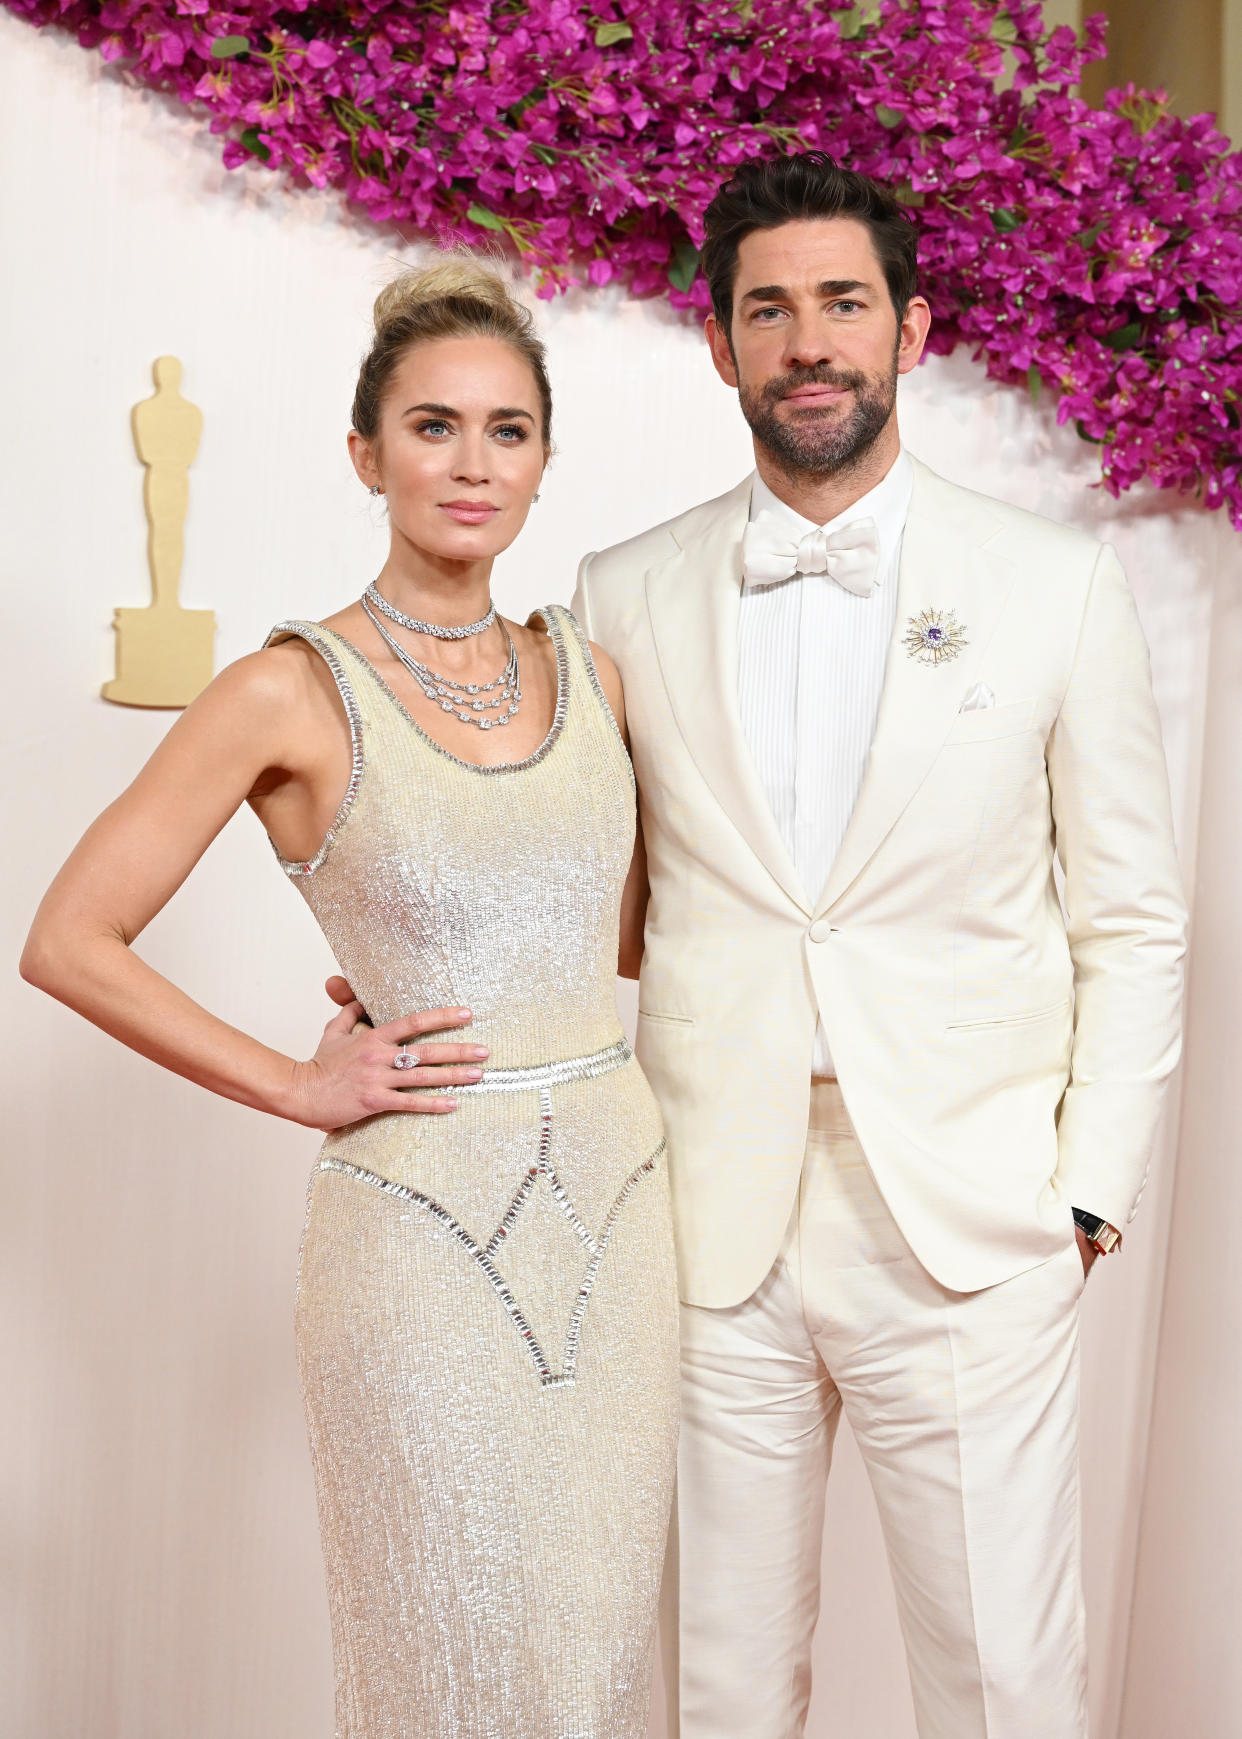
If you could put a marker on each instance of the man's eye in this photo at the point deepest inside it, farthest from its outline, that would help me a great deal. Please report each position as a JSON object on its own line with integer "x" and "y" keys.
{"x": 761, "y": 313}
{"x": 845, "y": 307}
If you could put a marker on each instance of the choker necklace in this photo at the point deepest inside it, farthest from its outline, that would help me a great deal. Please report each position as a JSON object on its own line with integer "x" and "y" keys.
{"x": 433, "y": 628}
{"x": 468, "y": 701}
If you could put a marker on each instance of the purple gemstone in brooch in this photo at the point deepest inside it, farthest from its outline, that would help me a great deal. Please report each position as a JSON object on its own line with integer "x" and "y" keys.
{"x": 934, "y": 636}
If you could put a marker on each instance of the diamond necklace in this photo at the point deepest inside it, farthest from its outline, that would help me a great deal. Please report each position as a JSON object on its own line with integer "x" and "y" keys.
{"x": 433, "y": 628}
{"x": 467, "y": 701}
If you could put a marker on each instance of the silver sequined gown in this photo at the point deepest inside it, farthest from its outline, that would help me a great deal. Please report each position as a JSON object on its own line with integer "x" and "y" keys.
{"x": 486, "y": 1317}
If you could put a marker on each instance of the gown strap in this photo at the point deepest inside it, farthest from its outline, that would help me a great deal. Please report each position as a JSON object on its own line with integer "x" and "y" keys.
{"x": 328, "y": 646}
{"x": 582, "y": 664}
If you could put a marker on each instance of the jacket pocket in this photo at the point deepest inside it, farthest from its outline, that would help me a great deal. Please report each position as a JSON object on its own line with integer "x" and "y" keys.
{"x": 665, "y": 1019}
{"x": 1008, "y": 1020}
{"x": 986, "y": 724}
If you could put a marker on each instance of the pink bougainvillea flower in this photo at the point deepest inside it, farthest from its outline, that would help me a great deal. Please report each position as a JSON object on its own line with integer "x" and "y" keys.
{"x": 1098, "y": 252}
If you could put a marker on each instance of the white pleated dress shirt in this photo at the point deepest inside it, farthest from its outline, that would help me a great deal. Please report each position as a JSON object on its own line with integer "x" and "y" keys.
{"x": 811, "y": 659}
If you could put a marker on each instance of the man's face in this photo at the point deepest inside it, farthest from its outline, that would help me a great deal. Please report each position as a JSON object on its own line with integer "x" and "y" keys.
{"x": 816, "y": 344}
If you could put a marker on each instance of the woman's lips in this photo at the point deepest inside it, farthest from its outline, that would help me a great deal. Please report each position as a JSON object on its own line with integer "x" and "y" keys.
{"x": 469, "y": 512}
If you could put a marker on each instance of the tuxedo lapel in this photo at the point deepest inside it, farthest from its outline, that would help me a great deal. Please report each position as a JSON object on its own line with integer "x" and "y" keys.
{"x": 692, "y": 602}
{"x": 944, "y": 567}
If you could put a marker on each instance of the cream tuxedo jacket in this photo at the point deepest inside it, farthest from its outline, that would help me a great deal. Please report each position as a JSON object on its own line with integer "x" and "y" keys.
{"x": 1002, "y": 1058}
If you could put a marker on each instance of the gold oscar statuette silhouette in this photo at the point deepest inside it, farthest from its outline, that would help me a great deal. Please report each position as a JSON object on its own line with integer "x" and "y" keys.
{"x": 163, "y": 653}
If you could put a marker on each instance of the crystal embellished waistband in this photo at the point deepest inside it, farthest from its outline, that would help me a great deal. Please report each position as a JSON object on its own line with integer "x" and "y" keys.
{"x": 538, "y": 1075}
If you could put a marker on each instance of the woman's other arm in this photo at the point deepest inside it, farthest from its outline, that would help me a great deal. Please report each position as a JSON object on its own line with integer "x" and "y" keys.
{"x": 635, "y": 893}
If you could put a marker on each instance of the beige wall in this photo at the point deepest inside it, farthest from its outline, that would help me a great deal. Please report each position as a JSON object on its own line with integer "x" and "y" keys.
{"x": 160, "y": 1571}
{"x": 1058, "y": 12}
{"x": 1193, "y": 48}
{"x": 1154, "y": 42}
{"x": 1185, "y": 1666}
{"x": 1231, "y": 66}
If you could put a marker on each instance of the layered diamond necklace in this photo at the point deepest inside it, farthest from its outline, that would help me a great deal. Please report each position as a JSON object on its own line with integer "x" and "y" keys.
{"x": 471, "y": 702}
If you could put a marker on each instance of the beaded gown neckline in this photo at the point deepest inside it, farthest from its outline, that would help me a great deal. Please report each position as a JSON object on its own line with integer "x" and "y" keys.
{"x": 557, "y": 637}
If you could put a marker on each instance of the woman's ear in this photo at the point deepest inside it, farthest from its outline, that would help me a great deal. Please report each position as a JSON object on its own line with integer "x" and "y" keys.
{"x": 362, "y": 454}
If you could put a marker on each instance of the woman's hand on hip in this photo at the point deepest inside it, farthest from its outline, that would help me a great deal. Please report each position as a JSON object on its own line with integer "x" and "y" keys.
{"x": 355, "y": 1074}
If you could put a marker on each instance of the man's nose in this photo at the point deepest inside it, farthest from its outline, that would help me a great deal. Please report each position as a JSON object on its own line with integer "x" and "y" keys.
{"x": 807, "y": 342}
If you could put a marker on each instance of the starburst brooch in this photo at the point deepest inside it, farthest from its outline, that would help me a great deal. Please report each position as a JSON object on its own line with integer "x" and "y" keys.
{"x": 934, "y": 636}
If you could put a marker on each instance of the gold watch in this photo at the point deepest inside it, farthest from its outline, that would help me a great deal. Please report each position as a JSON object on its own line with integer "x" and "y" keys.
{"x": 1102, "y": 1237}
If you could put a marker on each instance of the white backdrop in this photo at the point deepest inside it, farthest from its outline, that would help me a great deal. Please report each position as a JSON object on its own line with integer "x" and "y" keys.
{"x": 160, "y": 1562}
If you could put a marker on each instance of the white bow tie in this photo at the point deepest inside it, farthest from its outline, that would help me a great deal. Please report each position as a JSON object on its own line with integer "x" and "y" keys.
{"x": 850, "y": 556}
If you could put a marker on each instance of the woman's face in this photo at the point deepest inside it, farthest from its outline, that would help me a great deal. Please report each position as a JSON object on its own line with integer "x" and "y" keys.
{"x": 460, "y": 450}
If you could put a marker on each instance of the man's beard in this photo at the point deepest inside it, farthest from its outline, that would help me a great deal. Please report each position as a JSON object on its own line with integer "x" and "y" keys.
{"x": 815, "y": 443}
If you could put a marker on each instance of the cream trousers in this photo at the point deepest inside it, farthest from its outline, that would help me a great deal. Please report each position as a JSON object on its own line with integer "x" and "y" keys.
{"x": 965, "y": 1409}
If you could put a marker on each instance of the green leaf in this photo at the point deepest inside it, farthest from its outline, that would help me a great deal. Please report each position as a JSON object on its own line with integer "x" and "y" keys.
{"x": 1089, "y": 237}
{"x": 1005, "y": 220}
{"x": 1018, "y": 138}
{"x": 524, "y": 102}
{"x": 1083, "y": 435}
{"x": 484, "y": 218}
{"x": 683, "y": 264}
{"x": 851, "y": 25}
{"x": 1033, "y": 383}
{"x": 251, "y": 141}
{"x": 225, "y": 47}
{"x": 887, "y": 117}
{"x": 1125, "y": 337}
{"x": 607, "y": 34}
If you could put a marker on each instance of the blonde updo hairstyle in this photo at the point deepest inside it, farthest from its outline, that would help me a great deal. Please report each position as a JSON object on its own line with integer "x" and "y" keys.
{"x": 456, "y": 298}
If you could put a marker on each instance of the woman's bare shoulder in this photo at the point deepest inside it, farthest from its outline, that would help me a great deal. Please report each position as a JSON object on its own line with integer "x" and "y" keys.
{"x": 281, "y": 695}
{"x": 279, "y": 675}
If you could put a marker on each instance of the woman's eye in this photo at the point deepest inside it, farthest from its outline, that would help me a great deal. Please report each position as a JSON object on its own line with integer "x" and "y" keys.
{"x": 513, "y": 433}
{"x": 434, "y": 426}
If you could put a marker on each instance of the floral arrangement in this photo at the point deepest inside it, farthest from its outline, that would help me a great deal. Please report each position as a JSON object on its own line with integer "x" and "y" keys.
{"x": 1095, "y": 251}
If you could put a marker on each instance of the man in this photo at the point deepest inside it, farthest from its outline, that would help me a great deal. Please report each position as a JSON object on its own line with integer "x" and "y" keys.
{"x": 867, "y": 709}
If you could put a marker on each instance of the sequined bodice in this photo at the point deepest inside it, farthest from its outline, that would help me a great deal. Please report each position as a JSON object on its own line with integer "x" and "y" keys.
{"x": 497, "y": 889}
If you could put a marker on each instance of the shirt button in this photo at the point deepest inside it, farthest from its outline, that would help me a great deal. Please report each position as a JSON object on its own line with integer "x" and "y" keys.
{"x": 820, "y": 930}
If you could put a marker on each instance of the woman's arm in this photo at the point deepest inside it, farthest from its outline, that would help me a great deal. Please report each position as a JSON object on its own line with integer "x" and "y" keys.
{"x": 635, "y": 893}
{"x": 633, "y": 910}
{"x": 258, "y": 727}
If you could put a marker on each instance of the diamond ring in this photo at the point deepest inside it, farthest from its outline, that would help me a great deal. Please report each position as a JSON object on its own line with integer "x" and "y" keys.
{"x": 405, "y": 1059}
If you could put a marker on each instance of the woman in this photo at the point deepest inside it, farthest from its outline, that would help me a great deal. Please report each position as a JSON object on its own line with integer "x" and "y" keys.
{"x": 486, "y": 1306}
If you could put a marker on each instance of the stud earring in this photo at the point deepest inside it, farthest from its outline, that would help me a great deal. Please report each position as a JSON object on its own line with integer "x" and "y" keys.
{"x": 534, "y": 498}
{"x": 375, "y": 489}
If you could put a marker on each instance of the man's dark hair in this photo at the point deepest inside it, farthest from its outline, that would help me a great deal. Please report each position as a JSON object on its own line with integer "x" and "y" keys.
{"x": 763, "y": 193}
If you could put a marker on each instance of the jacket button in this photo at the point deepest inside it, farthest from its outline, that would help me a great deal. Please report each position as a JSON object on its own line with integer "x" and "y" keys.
{"x": 820, "y": 930}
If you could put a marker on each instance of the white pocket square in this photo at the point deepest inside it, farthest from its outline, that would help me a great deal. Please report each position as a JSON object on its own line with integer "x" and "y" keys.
{"x": 977, "y": 698}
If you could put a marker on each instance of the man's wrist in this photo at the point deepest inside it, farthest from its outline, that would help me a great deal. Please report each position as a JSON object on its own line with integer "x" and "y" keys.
{"x": 1103, "y": 1237}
